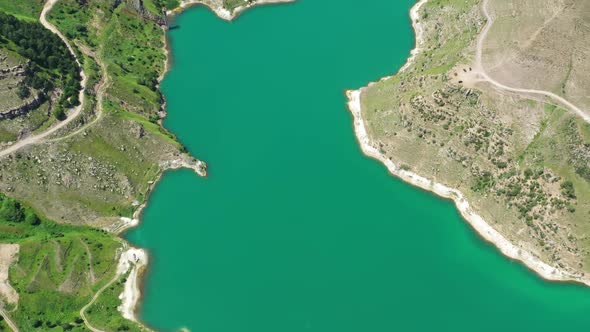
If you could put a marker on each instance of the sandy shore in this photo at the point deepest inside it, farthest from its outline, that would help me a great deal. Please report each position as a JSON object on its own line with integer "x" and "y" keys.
{"x": 8, "y": 254}
{"x": 217, "y": 7}
{"x": 484, "y": 229}
{"x": 136, "y": 260}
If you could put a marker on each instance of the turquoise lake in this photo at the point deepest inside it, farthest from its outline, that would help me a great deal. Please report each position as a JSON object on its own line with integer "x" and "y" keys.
{"x": 294, "y": 229}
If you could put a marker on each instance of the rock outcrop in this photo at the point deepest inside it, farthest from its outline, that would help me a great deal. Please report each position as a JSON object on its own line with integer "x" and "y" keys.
{"x": 24, "y": 109}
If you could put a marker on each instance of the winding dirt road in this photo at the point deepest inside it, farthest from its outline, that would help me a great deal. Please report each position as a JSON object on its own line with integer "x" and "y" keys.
{"x": 482, "y": 75}
{"x": 75, "y": 111}
{"x": 94, "y": 298}
{"x": 101, "y": 89}
{"x": 96, "y": 295}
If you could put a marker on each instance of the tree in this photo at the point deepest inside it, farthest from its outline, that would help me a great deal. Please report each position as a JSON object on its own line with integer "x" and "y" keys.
{"x": 567, "y": 189}
{"x": 31, "y": 218}
{"x": 11, "y": 210}
{"x": 23, "y": 91}
{"x": 59, "y": 113}
{"x": 50, "y": 59}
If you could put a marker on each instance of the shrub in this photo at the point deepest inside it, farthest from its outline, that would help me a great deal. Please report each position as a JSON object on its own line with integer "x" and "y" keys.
{"x": 59, "y": 113}
{"x": 567, "y": 189}
{"x": 11, "y": 211}
{"x": 484, "y": 182}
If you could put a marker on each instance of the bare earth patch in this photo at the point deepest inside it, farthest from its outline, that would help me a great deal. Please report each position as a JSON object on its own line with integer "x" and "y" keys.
{"x": 8, "y": 254}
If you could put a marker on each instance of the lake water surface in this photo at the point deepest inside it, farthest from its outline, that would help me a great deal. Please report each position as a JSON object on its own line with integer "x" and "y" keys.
{"x": 294, "y": 229}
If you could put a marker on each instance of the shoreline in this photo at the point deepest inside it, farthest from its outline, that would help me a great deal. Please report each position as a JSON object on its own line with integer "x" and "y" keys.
{"x": 482, "y": 228}
{"x": 220, "y": 11}
{"x": 135, "y": 258}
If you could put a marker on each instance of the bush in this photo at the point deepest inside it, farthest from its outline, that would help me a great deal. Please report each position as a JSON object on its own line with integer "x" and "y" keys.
{"x": 23, "y": 91}
{"x": 11, "y": 211}
{"x": 567, "y": 189}
{"x": 483, "y": 182}
{"x": 583, "y": 171}
{"x": 514, "y": 190}
{"x": 31, "y": 218}
{"x": 47, "y": 52}
{"x": 59, "y": 113}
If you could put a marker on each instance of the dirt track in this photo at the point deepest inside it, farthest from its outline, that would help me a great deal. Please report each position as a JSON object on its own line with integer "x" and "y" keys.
{"x": 480, "y": 75}
{"x": 75, "y": 112}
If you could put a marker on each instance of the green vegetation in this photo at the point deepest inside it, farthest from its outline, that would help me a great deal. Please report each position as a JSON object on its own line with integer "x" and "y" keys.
{"x": 51, "y": 63}
{"x": 101, "y": 174}
{"x": 233, "y": 4}
{"x": 23, "y": 9}
{"x": 578, "y": 145}
{"x": 59, "y": 268}
{"x": 522, "y": 164}
{"x": 134, "y": 64}
{"x": 167, "y": 4}
{"x": 34, "y": 121}
{"x": 100, "y": 314}
{"x": 13, "y": 211}
{"x": 568, "y": 190}
{"x": 93, "y": 177}
{"x": 484, "y": 182}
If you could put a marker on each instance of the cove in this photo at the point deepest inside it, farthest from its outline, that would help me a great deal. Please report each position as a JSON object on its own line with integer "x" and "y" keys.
{"x": 294, "y": 229}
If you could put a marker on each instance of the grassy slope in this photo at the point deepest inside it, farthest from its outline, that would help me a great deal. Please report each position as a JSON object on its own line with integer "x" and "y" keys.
{"x": 101, "y": 174}
{"x": 100, "y": 314}
{"x": 96, "y": 175}
{"x": 59, "y": 268}
{"x": 24, "y": 9}
{"x": 53, "y": 273}
{"x": 133, "y": 63}
{"x": 485, "y": 143}
{"x": 537, "y": 43}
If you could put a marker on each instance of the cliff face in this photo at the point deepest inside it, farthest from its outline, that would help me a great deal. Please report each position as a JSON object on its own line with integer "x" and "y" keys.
{"x": 24, "y": 109}
{"x": 12, "y": 72}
